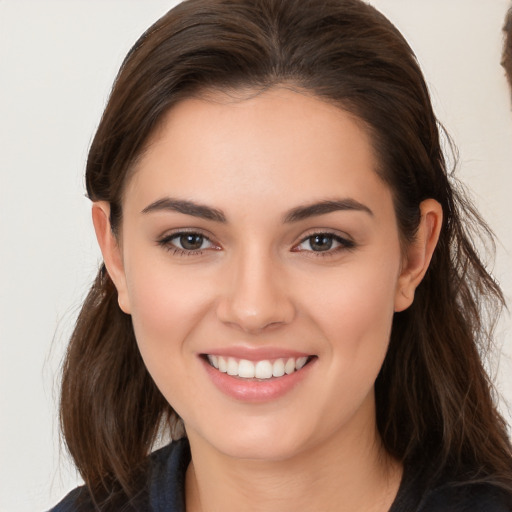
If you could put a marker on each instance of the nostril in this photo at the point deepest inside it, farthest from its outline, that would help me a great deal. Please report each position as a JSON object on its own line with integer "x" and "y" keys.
{"x": 253, "y": 314}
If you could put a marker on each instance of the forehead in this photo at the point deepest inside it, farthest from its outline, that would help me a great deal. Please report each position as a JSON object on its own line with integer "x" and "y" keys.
{"x": 280, "y": 143}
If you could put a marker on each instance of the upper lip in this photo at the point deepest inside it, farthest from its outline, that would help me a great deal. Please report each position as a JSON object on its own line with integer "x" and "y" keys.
{"x": 256, "y": 353}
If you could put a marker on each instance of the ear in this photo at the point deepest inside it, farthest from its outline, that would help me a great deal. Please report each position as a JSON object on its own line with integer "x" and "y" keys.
{"x": 419, "y": 253}
{"x": 111, "y": 251}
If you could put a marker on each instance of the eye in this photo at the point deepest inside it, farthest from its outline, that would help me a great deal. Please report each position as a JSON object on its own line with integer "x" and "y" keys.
{"x": 191, "y": 241}
{"x": 324, "y": 242}
{"x": 187, "y": 243}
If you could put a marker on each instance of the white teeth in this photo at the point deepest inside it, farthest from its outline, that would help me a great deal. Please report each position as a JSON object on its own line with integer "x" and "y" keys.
{"x": 246, "y": 369}
{"x": 232, "y": 368}
{"x": 223, "y": 365}
{"x": 214, "y": 361}
{"x": 264, "y": 369}
{"x": 301, "y": 361}
{"x": 289, "y": 367}
{"x": 278, "y": 368}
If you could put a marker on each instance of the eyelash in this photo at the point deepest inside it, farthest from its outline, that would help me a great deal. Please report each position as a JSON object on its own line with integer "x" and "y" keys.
{"x": 167, "y": 243}
{"x": 344, "y": 244}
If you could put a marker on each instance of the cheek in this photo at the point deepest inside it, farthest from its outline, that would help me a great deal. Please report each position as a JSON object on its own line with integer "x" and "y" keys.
{"x": 355, "y": 309}
{"x": 166, "y": 305}
{"x": 355, "y": 316}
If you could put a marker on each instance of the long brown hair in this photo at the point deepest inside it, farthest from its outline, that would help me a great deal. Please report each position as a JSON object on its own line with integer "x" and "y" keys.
{"x": 434, "y": 399}
{"x": 506, "y": 60}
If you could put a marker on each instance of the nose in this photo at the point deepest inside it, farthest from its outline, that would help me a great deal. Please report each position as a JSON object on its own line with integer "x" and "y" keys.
{"x": 254, "y": 294}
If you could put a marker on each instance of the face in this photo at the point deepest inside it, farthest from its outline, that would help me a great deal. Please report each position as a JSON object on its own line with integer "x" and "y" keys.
{"x": 260, "y": 260}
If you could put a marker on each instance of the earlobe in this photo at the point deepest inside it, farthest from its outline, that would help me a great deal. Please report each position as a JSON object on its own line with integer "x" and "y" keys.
{"x": 111, "y": 251}
{"x": 419, "y": 253}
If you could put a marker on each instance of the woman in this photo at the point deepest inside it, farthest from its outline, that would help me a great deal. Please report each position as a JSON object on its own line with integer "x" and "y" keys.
{"x": 290, "y": 287}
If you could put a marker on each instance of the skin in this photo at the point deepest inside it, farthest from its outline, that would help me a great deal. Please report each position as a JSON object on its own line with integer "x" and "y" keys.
{"x": 258, "y": 282}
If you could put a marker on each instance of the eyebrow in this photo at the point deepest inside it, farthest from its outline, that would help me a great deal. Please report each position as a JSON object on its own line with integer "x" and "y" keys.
{"x": 294, "y": 215}
{"x": 325, "y": 207}
{"x": 186, "y": 207}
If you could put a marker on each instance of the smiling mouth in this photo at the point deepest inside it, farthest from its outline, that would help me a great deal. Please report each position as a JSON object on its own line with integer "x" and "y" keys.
{"x": 262, "y": 370}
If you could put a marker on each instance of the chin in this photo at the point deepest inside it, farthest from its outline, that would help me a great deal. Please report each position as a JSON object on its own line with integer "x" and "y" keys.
{"x": 251, "y": 439}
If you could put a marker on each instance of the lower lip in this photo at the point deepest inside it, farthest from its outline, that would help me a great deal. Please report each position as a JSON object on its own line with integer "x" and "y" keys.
{"x": 253, "y": 390}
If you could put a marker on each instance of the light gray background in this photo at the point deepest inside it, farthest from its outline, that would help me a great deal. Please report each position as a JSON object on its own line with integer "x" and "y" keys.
{"x": 57, "y": 63}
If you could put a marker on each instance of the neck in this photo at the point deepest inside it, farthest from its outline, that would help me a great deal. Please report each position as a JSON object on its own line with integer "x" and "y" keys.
{"x": 350, "y": 468}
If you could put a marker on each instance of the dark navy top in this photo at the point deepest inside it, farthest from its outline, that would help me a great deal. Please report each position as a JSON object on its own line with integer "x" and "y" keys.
{"x": 165, "y": 490}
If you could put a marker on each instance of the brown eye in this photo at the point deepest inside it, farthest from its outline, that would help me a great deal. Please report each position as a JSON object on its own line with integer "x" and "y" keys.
{"x": 186, "y": 243}
{"x": 322, "y": 242}
{"x": 191, "y": 241}
{"x": 328, "y": 243}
